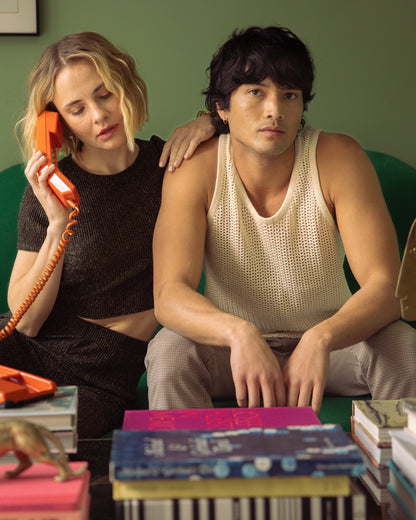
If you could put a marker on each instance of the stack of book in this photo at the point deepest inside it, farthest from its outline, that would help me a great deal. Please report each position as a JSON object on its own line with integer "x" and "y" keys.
{"x": 235, "y": 466}
{"x": 36, "y": 495}
{"x": 372, "y": 422}
{"x": 402, "y": 484}
{"x": 58, "y": 413}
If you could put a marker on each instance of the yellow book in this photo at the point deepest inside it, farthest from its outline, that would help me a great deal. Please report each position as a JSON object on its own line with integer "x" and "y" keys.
{"x": 305, "y": 486}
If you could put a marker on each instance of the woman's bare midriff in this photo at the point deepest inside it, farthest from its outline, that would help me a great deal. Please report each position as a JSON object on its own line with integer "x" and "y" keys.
{"x": 140, "y": 325}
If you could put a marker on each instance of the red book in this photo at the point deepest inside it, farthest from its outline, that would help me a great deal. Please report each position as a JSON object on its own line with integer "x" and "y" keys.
{"x": 37, "y": 490}
{"x": 219, "y": 418}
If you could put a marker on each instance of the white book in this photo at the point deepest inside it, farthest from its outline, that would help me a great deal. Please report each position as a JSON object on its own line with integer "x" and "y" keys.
{"x": 379, "y": 416}
{"x": 58, "y": 412}
{"x": 379, "y": 492}
{"x": 403, "y": 447}
{"x": 68, "y": 438}
{"x": 379, "y": 471}
{"x": 409, "y": 408}
{"x": 378, "y": 453}
{"x": 400, "y": 488}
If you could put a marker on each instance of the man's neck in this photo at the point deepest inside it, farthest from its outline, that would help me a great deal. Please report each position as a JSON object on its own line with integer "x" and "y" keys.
{"x": 265, "y": 178}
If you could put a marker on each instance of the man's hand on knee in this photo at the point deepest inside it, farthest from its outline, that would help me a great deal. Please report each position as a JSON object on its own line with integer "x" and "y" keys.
{"x": 256, "y": 373}
{"x": 305, "y": 374}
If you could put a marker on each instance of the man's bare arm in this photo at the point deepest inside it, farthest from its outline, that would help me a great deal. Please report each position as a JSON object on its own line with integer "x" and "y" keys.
{"x": 369, "y": 240}
{"x": 354, "y": 197}
{"x": 178, "y": 248}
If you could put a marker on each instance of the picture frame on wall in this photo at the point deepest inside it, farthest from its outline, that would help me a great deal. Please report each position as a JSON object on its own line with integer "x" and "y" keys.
{"x": 19, "y": 18}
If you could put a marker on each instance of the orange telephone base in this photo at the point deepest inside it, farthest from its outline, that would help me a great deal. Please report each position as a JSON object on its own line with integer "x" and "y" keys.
{"x": 17, "y": 387}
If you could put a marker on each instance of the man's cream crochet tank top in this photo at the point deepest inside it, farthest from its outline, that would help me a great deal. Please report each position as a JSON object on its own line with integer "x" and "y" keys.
{"x": 283, "y": 273}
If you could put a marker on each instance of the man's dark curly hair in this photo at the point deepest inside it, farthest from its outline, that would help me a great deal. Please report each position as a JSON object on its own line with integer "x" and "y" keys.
{"x": 252, "y": 55}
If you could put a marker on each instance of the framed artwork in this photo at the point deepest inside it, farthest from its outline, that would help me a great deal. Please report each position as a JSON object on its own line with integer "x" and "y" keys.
{"x": 19, "y": 17}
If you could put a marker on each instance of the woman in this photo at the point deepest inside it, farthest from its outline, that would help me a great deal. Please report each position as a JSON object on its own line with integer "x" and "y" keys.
{"x": 90, "y": 324}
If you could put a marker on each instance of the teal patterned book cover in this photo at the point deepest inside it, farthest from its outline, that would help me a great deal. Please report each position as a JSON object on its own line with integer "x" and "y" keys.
{"x": 314, "y": 450}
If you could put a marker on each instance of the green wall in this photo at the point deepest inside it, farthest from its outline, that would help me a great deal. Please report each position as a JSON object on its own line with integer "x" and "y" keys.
{"x": 364, "y": 52}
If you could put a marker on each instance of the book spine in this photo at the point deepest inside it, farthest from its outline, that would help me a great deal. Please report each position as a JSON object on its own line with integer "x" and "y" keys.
{"x": 403, "y": 488}
{"x": 411, "y": 422}
{"x": 257, "y": 487}
{"x": 352, "y": 507}
{"x": 80, "y": 514}
{"x": 218, "y": 418}
{"x": 232, "y": 468}
{"x": 399, "y": 501}
{"x": 405, "y": 461}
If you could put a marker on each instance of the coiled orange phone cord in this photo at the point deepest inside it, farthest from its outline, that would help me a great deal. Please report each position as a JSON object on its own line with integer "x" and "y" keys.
{"x": 17, "y": 316}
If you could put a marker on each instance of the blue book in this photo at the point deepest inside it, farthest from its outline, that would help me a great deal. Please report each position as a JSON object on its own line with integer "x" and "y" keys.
{"x": 314, "y": 450}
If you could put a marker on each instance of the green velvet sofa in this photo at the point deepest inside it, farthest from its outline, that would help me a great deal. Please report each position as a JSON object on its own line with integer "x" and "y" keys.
{"x": 398, "y": 182}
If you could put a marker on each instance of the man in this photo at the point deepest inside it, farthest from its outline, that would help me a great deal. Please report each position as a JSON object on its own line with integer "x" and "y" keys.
{"x": 268, "y": 208}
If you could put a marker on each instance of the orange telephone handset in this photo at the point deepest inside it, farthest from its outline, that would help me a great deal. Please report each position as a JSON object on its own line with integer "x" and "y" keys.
{"x": 18, "y": 387}
{"x": 49, "y": 137}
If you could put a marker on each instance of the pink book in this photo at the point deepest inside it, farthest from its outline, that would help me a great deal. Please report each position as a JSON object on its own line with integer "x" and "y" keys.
{"x": 36, "y": 489}
{"x": 219, "y": 418}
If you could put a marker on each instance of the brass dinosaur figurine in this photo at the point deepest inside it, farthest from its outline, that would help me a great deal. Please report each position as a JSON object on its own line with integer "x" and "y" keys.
{"x": 28, "y": 441}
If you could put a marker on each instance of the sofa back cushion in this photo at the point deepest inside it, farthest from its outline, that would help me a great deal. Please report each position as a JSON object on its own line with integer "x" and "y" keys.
{"x": 397, "y": 179}
{"x": 12, "y": 184}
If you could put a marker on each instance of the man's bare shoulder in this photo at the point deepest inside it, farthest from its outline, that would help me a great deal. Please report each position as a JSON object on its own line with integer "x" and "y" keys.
{"x": 339, "y": 153}
{"x": 345, "y": 169}
{"x": 331, "y": 142}
{"x": 204, "y": 158}
{"x": 195, "y": 178}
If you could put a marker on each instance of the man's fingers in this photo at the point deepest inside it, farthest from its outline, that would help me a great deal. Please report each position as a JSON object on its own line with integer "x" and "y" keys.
{"x": 280, "y": 392}
{"x": 317, "y": 396}
{"x": 274, "y": 395}
{"x": 241, "y": 394}
{"x": 253, "y": 394}
{"x": 292, "y": 396}
{"x": 269, "y": 397}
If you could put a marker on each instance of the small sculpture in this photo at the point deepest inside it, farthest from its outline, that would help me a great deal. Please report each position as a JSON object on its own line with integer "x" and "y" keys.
{"x": 28, "y": 441}
{"x": 406, "y": 284}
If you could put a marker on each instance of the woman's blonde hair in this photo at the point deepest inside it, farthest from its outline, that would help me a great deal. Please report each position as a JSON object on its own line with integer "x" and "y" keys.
{"x": 117, "y": 70}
